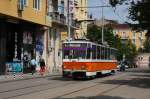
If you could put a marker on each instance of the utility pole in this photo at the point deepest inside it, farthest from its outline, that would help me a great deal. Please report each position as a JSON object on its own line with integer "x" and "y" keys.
{"x": 68, "y": 17}
{"x": 102, "y": 25}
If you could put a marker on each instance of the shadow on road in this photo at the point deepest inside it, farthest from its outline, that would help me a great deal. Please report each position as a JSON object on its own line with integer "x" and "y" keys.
{"x": 134, "y": 80}
{"x": 66, "y": 79}
{"x": 139, "y": 70}
{"x": 97, "y": 97}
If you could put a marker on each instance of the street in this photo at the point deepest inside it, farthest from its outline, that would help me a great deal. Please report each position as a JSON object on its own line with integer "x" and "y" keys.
{"x": 132, "y": 84}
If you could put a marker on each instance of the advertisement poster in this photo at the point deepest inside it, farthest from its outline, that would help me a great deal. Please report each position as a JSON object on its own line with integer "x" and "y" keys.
{"x": 39, "y": 44}
{"x": 14, "y": 67}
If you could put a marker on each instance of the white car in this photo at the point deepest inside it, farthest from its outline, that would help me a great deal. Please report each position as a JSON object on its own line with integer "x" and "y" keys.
{"x": 118, "y": 66}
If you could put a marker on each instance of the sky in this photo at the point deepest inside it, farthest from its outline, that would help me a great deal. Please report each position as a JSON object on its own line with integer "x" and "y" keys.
{"x": 120, "y": 14}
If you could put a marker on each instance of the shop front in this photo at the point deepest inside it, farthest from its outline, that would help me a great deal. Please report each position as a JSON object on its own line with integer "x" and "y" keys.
{"x": 17, "y": 45}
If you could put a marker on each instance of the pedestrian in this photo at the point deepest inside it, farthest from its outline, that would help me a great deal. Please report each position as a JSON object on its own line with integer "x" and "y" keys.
{"x": 33, "y": 65}
{"x": 42, "y": 66}
{"x": 122, "y": 66}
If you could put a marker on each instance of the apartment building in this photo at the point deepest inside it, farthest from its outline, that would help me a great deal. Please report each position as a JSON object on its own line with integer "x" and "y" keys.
{"x": 81, "y": 16}
{"x": 37, "y": 28}
{"x": 24, "y": 25}
{"x": 58, "y": 12}
{"x": 126, "y": 33}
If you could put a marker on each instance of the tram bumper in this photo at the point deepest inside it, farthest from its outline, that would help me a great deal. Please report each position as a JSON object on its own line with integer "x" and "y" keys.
{"x": 78, "y": 74}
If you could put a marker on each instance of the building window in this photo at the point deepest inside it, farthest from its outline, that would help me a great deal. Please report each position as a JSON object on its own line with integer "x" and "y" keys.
{"x": 123, "y": 34}
{"x": 141, "y": 34}
{"x": 37, "y": 4}
{"x": 61, "y": 7}
{"x": 141, "y": 42}
{"x": 134, "y": 34}
{"x": 134, "y": 41}
{"x": 26, "y": 2}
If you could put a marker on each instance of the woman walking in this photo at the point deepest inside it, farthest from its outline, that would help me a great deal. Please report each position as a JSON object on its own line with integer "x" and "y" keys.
{"x": 42, "y": 66}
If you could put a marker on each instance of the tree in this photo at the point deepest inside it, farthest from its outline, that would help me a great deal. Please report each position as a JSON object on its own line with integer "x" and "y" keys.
{"x": 127, "y": 48}
{"x": 146, "y": 48}
{"x": 94, "y": 34}
{"x": 139, "y": 12}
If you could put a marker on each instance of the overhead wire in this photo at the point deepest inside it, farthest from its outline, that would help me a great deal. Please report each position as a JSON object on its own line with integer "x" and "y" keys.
{"x": 114, "y": 10}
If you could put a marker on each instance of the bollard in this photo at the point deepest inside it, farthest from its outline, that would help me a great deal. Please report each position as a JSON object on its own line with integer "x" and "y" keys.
{"x": 22, "y": 75}
{"x": 14, "y": 75}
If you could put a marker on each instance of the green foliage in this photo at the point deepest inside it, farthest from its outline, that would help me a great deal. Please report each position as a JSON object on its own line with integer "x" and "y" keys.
{"x": 113, "y": 2}
{"x": 130, "y": 51}
{"x": 94, "y": 34}
{"x": 127, "y": 48}
{"x": 147, "y": 45}
{"x": 139, "y": 12}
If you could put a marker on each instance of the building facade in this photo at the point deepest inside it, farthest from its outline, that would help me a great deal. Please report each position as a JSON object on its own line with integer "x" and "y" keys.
{"x": 142, "y": 60}
{"x": 81, "y": 16}
{"x": 37, "y": 28}
{"x": 58, "y": 12}
{"x": 24, "y": 25}
{"x": 126, "y": 33}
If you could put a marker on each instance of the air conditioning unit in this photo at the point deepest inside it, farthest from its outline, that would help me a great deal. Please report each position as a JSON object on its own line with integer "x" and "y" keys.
{"x": 21, "y": 5}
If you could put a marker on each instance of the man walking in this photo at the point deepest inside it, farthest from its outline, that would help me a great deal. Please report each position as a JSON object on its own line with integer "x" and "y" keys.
{"x": 33, "y": 65}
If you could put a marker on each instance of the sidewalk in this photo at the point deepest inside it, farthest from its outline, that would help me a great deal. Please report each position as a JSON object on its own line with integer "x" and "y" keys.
{"x": 20, "y": 76}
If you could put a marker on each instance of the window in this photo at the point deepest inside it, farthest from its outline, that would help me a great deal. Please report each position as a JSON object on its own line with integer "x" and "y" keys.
{"x": 98, "y": 52}
{"x": 134, "y": 41}
{"x": 134, "y": 34}
{"x": 61, "y": 7}
{"x": 37, "y": 4}
{"x": 123, "y": 35}
{"x": 26, "y": 2}
{"x": 93, "y": 51}
{"x": 141, "y": 42}
{"x": 102, "y": 53}
{"x": 74, "y": 51}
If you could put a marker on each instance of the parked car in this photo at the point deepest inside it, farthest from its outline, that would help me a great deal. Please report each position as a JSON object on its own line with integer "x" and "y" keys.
{"x": 121, "y": 64}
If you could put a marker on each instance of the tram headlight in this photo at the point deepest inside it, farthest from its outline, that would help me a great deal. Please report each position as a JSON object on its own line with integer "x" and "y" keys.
{"x": 64, "y": 67}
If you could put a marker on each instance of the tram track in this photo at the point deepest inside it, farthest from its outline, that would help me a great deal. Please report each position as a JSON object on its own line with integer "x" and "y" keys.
{"x": 76, "y": 91}
{"x": 58, "y": 86}
{"x": 36, "y": 90}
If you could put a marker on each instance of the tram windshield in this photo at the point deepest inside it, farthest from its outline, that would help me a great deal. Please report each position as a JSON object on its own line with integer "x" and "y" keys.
{"x": 74, "y": 50}
{"x": 88, "y": 51}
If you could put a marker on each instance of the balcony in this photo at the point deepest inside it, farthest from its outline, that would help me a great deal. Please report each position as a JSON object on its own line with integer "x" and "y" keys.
{"x": 75, "y": 24}
{"x": 76, "y": 3}
{"x": 57, "y": 18}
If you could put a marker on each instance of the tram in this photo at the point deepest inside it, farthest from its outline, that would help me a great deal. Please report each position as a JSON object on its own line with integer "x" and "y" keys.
{"x": 85, "y": 59}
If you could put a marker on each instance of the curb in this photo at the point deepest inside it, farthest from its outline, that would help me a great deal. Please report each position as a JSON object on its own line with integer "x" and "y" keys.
{"x": 21, "y": 79}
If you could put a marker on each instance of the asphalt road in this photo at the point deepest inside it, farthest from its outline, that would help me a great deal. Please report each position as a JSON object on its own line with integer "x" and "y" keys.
{"x": 132, "y": 84}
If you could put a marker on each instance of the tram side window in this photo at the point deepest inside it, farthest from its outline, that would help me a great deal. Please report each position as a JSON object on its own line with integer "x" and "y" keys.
{"x": 88, "y": 56}
{"x": 81, "y": 54}
{"x": 102, "y": 53}
{"x": 98, "y": 52}
{"x": 93, "y": 51}
{"x": 105, "y": 53}
{"x": 108, "y": 53}
{"x": 111, "y": 52}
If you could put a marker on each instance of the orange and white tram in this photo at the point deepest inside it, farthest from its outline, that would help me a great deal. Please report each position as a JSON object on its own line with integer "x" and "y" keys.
{"x": 84, "y": 59}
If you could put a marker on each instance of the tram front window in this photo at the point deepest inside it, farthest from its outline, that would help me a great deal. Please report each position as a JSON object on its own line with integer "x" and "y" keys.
{"x": 74, "y": 54}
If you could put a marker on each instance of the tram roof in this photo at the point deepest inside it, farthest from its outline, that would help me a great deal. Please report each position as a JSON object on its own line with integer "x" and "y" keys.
{"x": 86, "y": 41}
